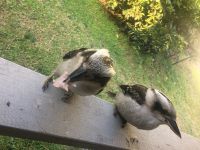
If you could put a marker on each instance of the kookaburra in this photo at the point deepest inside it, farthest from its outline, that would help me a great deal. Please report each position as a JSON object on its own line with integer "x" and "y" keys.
{"x": 83, "y": 72}
{"x": 144, "y": 108}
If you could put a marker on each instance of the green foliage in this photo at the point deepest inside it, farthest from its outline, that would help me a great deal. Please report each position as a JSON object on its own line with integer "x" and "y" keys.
{"x": 157, "y": 39}
{"x": 143, "y": 22}
{"x": 138, "y": 14}
{"x": 181, "y": 14}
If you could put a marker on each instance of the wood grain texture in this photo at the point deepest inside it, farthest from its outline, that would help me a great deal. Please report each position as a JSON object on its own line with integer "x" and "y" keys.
{"x": 27, "y": 112}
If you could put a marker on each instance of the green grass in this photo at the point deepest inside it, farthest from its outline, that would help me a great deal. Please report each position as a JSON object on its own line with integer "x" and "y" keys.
{"x": 36, "y": 34}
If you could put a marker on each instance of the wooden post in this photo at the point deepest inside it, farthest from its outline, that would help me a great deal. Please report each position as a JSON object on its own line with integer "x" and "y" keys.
{"x": 88, "y": 122}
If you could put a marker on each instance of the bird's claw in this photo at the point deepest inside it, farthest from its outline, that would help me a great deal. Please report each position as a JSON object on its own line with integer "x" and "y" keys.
{"x": 60, "y": 82}
{"x": 115, "y": 112}
{"x": 66, "y": 97}
{"x": 123, "y": 125}
{"x": 45, "y": 86}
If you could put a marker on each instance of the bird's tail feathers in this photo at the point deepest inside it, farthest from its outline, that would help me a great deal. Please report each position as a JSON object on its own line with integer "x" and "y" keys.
{"x": 111, "y": 94}
{"x": 124, "y": 87}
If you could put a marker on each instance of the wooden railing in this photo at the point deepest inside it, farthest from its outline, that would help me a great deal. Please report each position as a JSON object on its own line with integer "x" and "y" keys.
{"x": 88, "y": 122}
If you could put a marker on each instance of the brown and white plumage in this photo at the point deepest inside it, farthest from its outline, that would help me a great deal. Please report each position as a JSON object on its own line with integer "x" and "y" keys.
{"x": 145, "y": 108}
{"x": 83, "y": 71}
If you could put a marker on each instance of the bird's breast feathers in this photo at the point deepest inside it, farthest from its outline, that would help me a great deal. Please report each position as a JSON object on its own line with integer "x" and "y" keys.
{"x": 136, "y": 114}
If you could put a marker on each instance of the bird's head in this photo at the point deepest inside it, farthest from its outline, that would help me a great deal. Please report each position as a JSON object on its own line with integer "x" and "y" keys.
{"x": 101, "y": 62}
{"x": 163, "y": 109}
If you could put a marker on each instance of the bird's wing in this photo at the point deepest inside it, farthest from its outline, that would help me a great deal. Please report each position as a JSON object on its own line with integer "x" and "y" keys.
{"x": 165, "y": 96}
{"x": 136, "y": 92}
{"x": 111, "y": 94}
{"x": 87, "y": 75}
{"x": 73, "y": 53}
{"x": 79, "y": 73}
{"x": 82, "y": 74}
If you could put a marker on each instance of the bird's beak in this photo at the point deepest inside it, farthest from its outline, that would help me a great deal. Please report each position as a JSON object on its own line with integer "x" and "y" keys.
{"x": 173, "y": 126}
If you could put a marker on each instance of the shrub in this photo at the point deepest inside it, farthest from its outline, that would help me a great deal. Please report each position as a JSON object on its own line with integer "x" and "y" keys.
{"x": 143, "y": 22}
{"x": 138, "y": 14}
{"x": 157, "y": 39}
{"x": 182, "y": 13}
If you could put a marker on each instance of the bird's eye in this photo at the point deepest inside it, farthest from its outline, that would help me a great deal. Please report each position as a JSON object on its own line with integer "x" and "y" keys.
{"x": 107, "y": 61}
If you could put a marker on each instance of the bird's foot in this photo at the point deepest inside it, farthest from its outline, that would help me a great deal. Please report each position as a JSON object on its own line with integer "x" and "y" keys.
{"x": 123, "y": 124}
{"x": 45, "y": 86}
{"x": 115, "y": 112}
{"x": 46, "y": 82}
{"x": 60, "y": 82}
{"x": 67, "y": 96}
{"x": 123, "y": 121}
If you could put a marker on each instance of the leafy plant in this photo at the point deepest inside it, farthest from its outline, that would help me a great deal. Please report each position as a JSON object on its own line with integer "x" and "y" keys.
{"x": 182, "y": 13}
{"x": 144, "y": 23}
{"x": 157, "y": 39}
{"x": 138, "y": 14}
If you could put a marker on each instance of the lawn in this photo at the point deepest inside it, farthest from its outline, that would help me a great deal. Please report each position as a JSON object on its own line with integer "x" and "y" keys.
{"x": 36, "y": 33}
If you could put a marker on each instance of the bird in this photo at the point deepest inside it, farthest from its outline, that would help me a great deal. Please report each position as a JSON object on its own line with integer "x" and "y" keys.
{"x": 145, "y": 108}
{"x": 84, "y": 72}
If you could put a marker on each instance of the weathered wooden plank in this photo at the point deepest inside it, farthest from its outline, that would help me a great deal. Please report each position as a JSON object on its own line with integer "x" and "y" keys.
{"x": 27, "y": 112}
{"x": 85, "y": 122}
